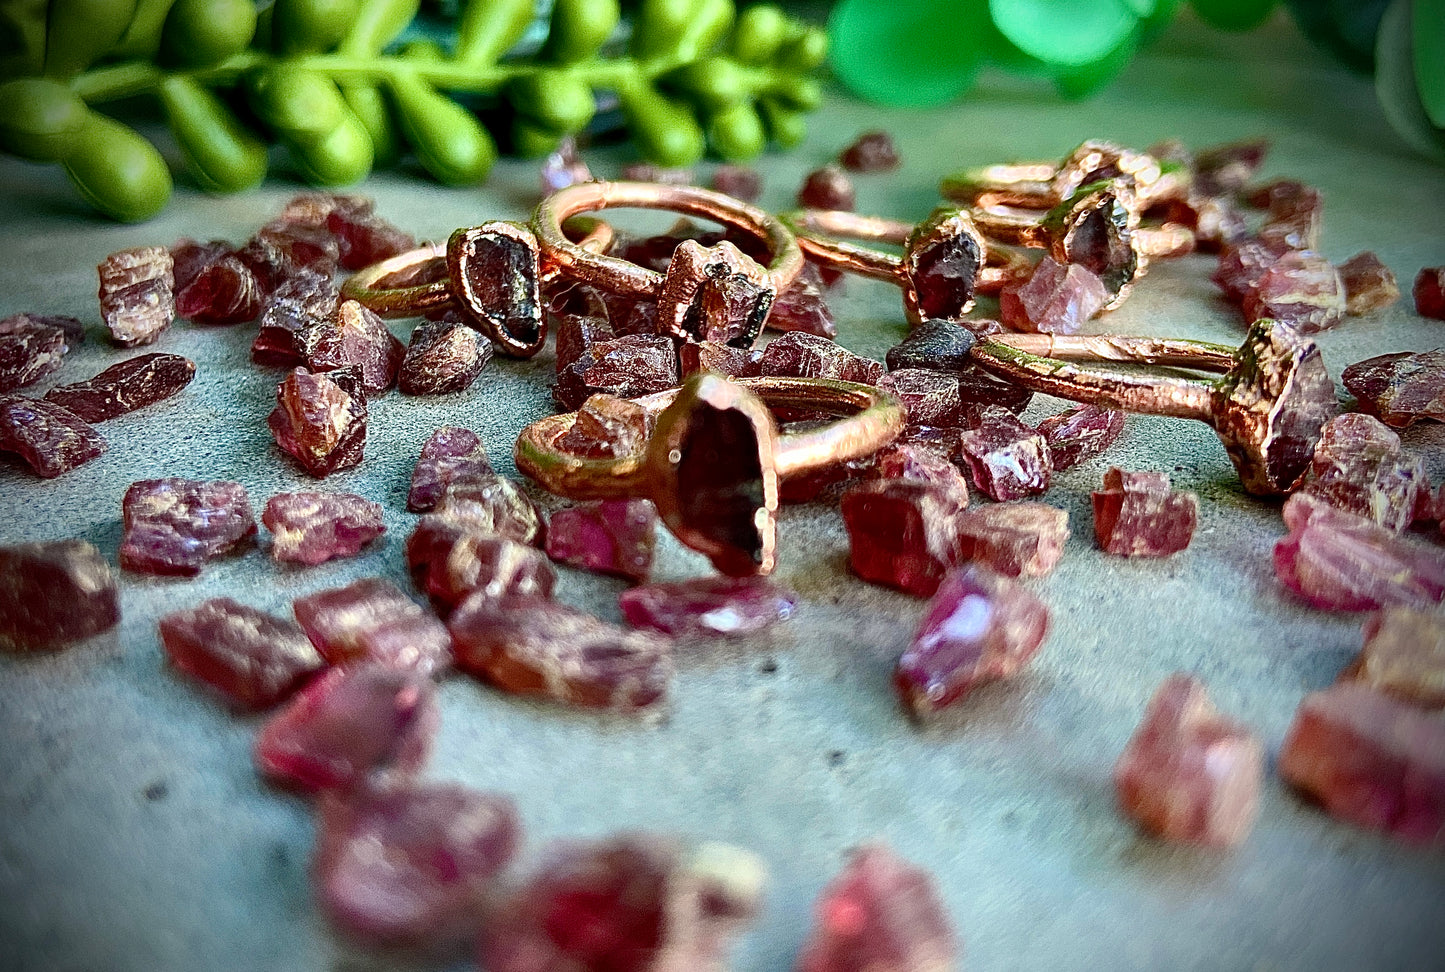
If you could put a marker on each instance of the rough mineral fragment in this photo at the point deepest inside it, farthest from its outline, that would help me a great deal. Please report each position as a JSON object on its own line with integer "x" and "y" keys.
{"x": 364, "y": 238}
{"x": 189, "y": 258}
{"x": 801, "y": 306}
{"x": 1369, "y": 284}
{"x": 928, "y": 397}
{"x": 450, "y": 455}
{"x": 411, "y": 864}
{"x": 902, "y": 534}
{"x": 607, "y": 426}
{"x": 1370, "y": 759}
{"x": 1190, "y": 774}
{"x": 493, "y": 505}
{"x": 1301, "y": 289}
{"x": 358, "y": 339}
{"x": 1403, "y": 656}
{"x": 802, "y": 355}
{"x": 696, "y": 356}
{"x": 298, "y": 321}
{"x": 607, "y": 536}
{"x": 125, "y": 387}
{"x": 1241, "y": 266}
{"x": 371, "y": 620}
{"x": 1005, "y": 458}
{"x": 627, "y": 366}
{"x": 979, "y": 627}
{"x": 880, "y": 914}
{"x": 137, "y": 301}
{"x": 1358, "y": 467}
{"x": 254, "y": 659}
{"x": 443, "y": 356}
{"x": 1138, "y": 515}
{"x": 936, "y": 345}
{"x": 738, "y": 181}
{"x": 708, "y": 606}
{"x": 563, "y": 167}
{"x": 450, "y": 560}
{"x": 532, "y": 646}
{"x": 348, "y": 727}
{"x": 1339, "y": 561}
{"x": 29, "y": 350}
{"x": 1400, "y": 389}
{"x": 53, "y": 594}
{"x": 1080, "y": 433}
{"x": 920, "y": 463}
{"x": 1020, "y": 539}
{"x": 312, "y": 528}
{"x": 215, "y": 287}
{"x": 1225, "y": 170}
{"x": 173, "y": 526}
{"x": 713, "y": 294}
{"x": 827, "y": 188}
{"x": 576, "y": 334}
{"x": 870, "y": 152}
{"x": 52, "y": 440}
{"x": 320, "y": 420}
{"x": 633, "y": 903}
{"x": 1056, "y": 299}
{"x": 978, "y": 389}
{"x": 1429, "y": 293}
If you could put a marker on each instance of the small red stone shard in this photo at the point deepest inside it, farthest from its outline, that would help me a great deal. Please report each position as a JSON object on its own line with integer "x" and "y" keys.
{"x": 607, "y": 426}
{"x": 189, "y": 257}
{"x": 563, "y": 167}
{"x": 443, "y": 356}
{"x": 312, "y": 528}
{"x": 929, "y": 397}
{"x": 919, "y": 463}
{"x": 738, "y": 181}
{"x": 29, "y": 350}
{"x": 627, "y": 366}
{"x": 291, "y": 246}
{"x": 364, "y": 238}
{"x": 1429, "y": 293}
{"x": 253, "y": 659}
{"x": 1403, "y": 656}
{"x": 1240, "y": 268}
{"x": 1190, "y": 774}
{"x": 213, "y": 285}
{"x": 902, "y": 534}
{"x": 450, "y": 561}
{"x": 350, "y": 726}
{"x": 137, "y": 300}
{"x": 801, "y": 355}
{"x": 1056, "y": 299}
{"x": 936, "y": 345}
{"x": 1005, "y": 458}
{"x": 372, "y": 621}
{"x": 1369, "y": 284}
{"x": 320, "y": 420}
{"x": 298, "y": 319}
{"x": 52, "y": 440}
{"x": 1358, "y": 467}
{"x": 978, "y": 389}
{"x": 871, "y": 152}
{"x": 880, "y": 914}
{"x": 1016, "y": 539}
{"x": 1225, "y": 170}
{"x": 531, "y": 646}
{"x": 827, "y": 188}
{"x": 173, "y": 526}
{"x": 54, "y": 594}
{"x": 720, "y": 359}
{"x": 577, "y": 333}
{"x": 801, "y": 307}
{"x": 1371, "y": 760}
{"x": 606, "y": 536}
{"x": 133, "y": 384}
{"x": 357, "y": 338}
{"x": 451, "y": 454}
{"x": 1300, "y": 289}
{"x": 1400, "y": 389}
{"x": 666, "y": 176}
{"x": 411, "y": 864}
{"x": 493, "y": 505}
{"x": 1138, "y": 515}
{"x": 1080, "y": 433}
{"x": 708, "y": 607}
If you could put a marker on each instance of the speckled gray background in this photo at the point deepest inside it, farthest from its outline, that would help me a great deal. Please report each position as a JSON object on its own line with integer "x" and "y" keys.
{"x": 135, "y": 835}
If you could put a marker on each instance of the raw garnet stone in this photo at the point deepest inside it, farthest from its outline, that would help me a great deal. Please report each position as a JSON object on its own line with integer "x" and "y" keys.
{"x": 174, "y": 526}
{"x": 450, "y": 560}
{"x": 125, "y": 387}
{"x": 1138, "y": 515}
{"x": 708, "y": 606}
{"x": 1005, "y": 458}
{"x": 252, "y": 658}
{"x": 52, "y": 440}
{"x": 1056, "y": 299}
{"x": 1404, "y": 656}
{"x": 1080, "y": 433}
{"x": 1400, "y": 389}
{"x": 608, "y": 536}
{"x": 371, "y": 620}
{"x": 443, "y": 356}
{"x": 320, "y": 419}
{"x": 29, "y": 350}
{"x": 312, "y": 528}
{"x": 451, "y": 454}
{"x": 53, "y": 594}
{"x": 1019, "y": 539}
{"x": 902, "y": 534}
{"x": 1359, "y": 467}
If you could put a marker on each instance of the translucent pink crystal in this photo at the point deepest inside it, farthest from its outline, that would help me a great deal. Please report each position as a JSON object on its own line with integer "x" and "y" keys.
{"x": 53, "y": 594}
{"x": 190, "y": 258}
{"x": 364, "y": 238}
{"x": 312, "y": 528}
{"x": 444, "y": 356}
{"x": 708, "y": 606}
{"x": 531, "y": 646}
{"x": 1403, "y": 656}
{"x": 132, "y": 384}
{"x": 137, "y": 301}
{"x": 298, "y": 321}
{"x": 356, "y": 337}
{"x": 827, "y": 188}
{"x": 1190, "y": 774}
{"x": 607, "y": 426}
{"x": 412, "y": 863}
{"x": 920, "y": 463}
{"x": 1138, "y": 515}
{"x": 1020, "y": 539}
{"x": 254, "y": 659}
{"x": 451, "y": 454}
{"x": 1369, "y": 284}
{"x": 371, "y": 620}
{"x": 1005, "y": 458}
{"x": 1429, "y": 293}
{"x": 1226, "y": 169}
{"x": 220, "y": 290}
{"x": 29, "y": 350}
{"x": 564, "y": 167}
{"x": 880, "y": 914}
{"x": 1080, "y": 433}
{"x": 320, "y": 419}
{"x": 801, "y": 307}
{"x": 1358, "y": 467}
{"x": 494, "y": 505}
{"x": 1301, "y": 289}
{"x": 1371, "y": 760}
{"x": 627, "y": 366}
{"x": 870, "y": 152}
{"x": 902, "y": 534}
{"x": 979, "y": 627}
{"x": 738, "y": 181}
{"x": 607, "y": 536}
{"x": 350, "y": 725}
{"x": 937, "y": 345}
{"x": 173, "y": 526}
{"x": 928, "y": 397}
{"x": 1241, "y": 266}
{"x": 663, "y": 175}
{"x": 450, "y": 560}
{"x": 52, "y": 440}
{"x": 1055, "y": 299}
{"x": 696, "y": 356}
{"x": 1400, "y": 389}
{"x": 803, "y": 355}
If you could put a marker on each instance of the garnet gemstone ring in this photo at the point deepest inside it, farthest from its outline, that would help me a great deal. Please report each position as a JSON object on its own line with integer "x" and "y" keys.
{"x": 1044, "y": 185}
{"x": 715, "y": 293}
{"x": 1267, "y": 407}
{"x": 714, "y": 459}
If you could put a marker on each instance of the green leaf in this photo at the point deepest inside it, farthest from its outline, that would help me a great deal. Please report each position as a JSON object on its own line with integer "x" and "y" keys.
{"x": 1395, "y": 84}
{"x": 1429, "y": 47}
{"x": 1234, "y": 14}
{"x": 1068, "y": 33}
{"x": 906, "y": 53}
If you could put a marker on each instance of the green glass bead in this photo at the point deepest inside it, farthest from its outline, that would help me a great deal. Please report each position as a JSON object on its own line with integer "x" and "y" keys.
{"x": 1065, "y": 33}
{"x": 895, "y": 53}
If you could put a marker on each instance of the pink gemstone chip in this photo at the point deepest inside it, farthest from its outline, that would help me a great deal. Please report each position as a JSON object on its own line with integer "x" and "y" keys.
{"x": 920, "y": 463}
{"x": 827, "y": 188}
{"x": 708, "y": 606}
{"x": 1138, "y": 515}
{"x": 137, "y": 301}
{"x": 450, "y": 560}
{"x": 1359, "y": 467}
{"x": 174, "y": 526}
{"x": 1400, "y": 389}
{"x": 801, "y": 355}
{"x": 29, "y": 350}
{"x": 1020, "y": 539}
{"x": 1369, "y": 284}
{"x": 362, "y": 237}
{"x": 1301, "y": 289}
{"x": 1404, "y": 656}
{"x": 802, "y": 307}
{"x": 451, "y": 454}
{"x": 53, "y": 594}
{"x": 1240, "y": 268}
{"x": 358, "y": 338}
{"x": 320, "y": 419}
{"x": 371, "y": 620}
{"x": 52, "y": 440}
{"x": 929, "y": 397}
{"x": 252, "y": 658}
{"x": 444, "y": 356}
{"x": 607, "y": 536}
{"x": 626, "y": 366}
{"x": 607, "y": 426}
{"x": 1190, "y": 774}
{"x": 218, "y": 289}
{"x": 1005, "y": 458}
{"x": 1080, "y": 433}
{"x": 297, "y": 322}
{"x": 1055, "y": 299}
{"x": 1429, "y": 293}
{"x": 125, "y": 387}
{"x": 902, "y": 534}
{"x": 493, "y": 505}
{"x": 312, "y": 528}
{"x": 696, "y": 356}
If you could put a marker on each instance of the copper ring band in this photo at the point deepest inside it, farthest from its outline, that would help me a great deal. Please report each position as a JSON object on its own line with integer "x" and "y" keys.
{"x": 1017, "y": 226}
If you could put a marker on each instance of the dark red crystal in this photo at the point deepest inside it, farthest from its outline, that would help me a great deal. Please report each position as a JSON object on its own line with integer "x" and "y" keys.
{"x": 936, "y": 345}
{"x": 708, "y": 607}
{"x": 1055, "y": 299}
{"x": 1303, "y": 290}
{"x": 222, "y": 291}
{"x": 827, "y": 188}
{"x": 132, "y": 384}
{"x": 173, "y": 526}
{"x": 364, "y": 238}
{"x": 320, "y": 420}
{"x": 137, "y": 299}
{"x": 928, "y": 397}
{"x": 1080, "y": 433}
{"x": 52, "y": 440}
{"x": 1005, "y": 458}
{"x": 802, "y": 307}
{"x": 298, "y": 318}
{"x": 1240, "y": 268}
{"x": 800, "y": 355}
{"x": 1020, "y": 539}
{"x": 720, "y": 359}
{"x": 312, "y": 528}
{"x": 628, "y": 366}
{"x": 1400, "y": 389}
{"x": 450, "y": 560}
{"x": 607, "y": 536}
{"x": 923, "y": 464}
{"x": 253, "y": 659}
{"x": 29, "y": 350}
{"x": 1369, "y": 284}
{"x": 450, "y": 455}
{"x": 356, "y": 337}
{"x": 902, "y": 534}
{"x": 54, "y": 594}
{"x": 371, "y": 620}
{"x": 443, "y": 356}
{"x": 738, "y": 181}
{"x": 1225, "y": 170}
{"x": 870, "y": 152}
{"x": 1429, "y": 293}
{"x": 1138, "y": 515}
{"x": 493, "y": 505}
{"x": 1358, "y": 467}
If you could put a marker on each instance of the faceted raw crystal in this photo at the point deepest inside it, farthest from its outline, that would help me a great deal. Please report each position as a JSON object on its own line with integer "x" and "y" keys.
{"x": 173, "y": 526}
{"x": 607, "y": 426}
{"x": 928, "y": 397}
{"x": 1056, "y": 299}
{"x": 531, "y": 646}
{"x": 564, "y": 167}
{"x": 1358, "y": 467}
{"x": 29, "y": 350}
{"x": 919, "y": 463}
{"x": 577, "y": 334}
{"x": 1094, "y": 228}
{"x": 902, "y": 534}
{"x": 371, "y": 620}
{"x": 1226, "y": 169}
{"x": 1339, "y": 561}
{"x": 1017, "y": 539}
{"x": 1403, "y": 656}
{"x": 943, "y": 262}
{"x": 1240, "y": 268}
{"x": 350, "y": 725}
{"x": 221, "y": 291}
{"x": 881, "y": 914}
{"x": 1400, "y": 389}
{"x": 298, "y": 319}
{"x": 633, "y": 903}
{"x": 254, "y": 659}
{"x": 1303, "y": 290}
{"x": 801, "y": 355}
{"x": 738, "y": 181}
{"x": 411, "y": 864}
{"x": 190, "y": 258}
{"x": 444, "y": 356}
{"x": 125, "y": 387}
{"x": 729, "y": 308}
{"x": 321, "y": 419}
{"x": 1294, "y": 215}
{"x": 708, "y": 606}
{"x": 498, "y": 279}
{"x": 364, "y": 238}
{"x": 493, "y": 504}
{"x": 943, "y": 442}
{"x": 1005, "y": 458}
{"x": 137, "y": 301}
{"x": 1371, "y": 760}
{"x": 1080, "y": 433}
{"x": 450, "y": 560}
{"x": 1138, "y": 515}
{"x": 977, "y": 389}
{"x": 871, "y": 152}
{"x": 827, "y": 188}
{"x": 607, "y": 536}
{"x": 53, "y": 594}
{"x": 450, "y": 455}
{"x": 1369, "y": 284}
{"x": 937, "y": 345}
{"x": 52, "y": 440}
{"x": 359, "y": 339}
{"x": 628, "y": 366}
{"x": 720, "y": 359}
{"x": 312, "y": 528}
{"x": 802, "y": 308}
{"x": 1429, "y": 293}
{"x": 1190, "y": 774}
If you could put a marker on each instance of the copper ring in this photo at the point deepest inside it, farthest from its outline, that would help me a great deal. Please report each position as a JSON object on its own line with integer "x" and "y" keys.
{"x": 714, "y": 459}
{"x": 681, "y": 292}
{"x": 1034, "y": 185}
{"x": 1267, "y": 407}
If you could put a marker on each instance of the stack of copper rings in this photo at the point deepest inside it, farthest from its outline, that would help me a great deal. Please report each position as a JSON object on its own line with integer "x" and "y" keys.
{"x": 716, "y": 454}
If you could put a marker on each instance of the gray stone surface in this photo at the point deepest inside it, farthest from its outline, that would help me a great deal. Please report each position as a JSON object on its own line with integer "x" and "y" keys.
{"x": 135, "y": 835}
